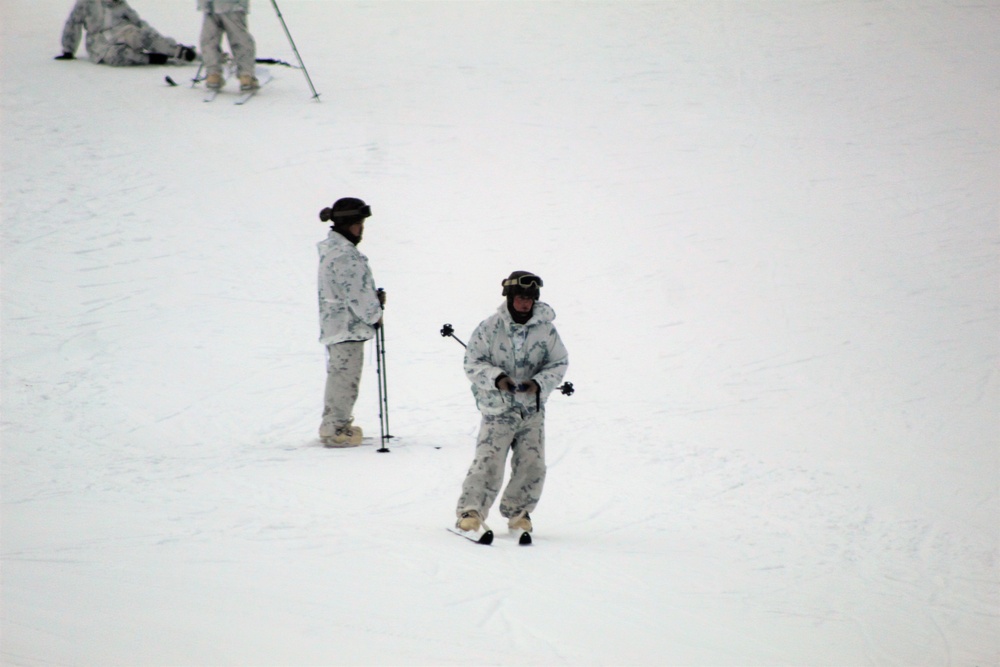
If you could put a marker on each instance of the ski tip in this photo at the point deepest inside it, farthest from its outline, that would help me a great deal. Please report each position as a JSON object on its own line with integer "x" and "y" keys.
{"x": 525, "y": 539}
{"x": 487, "y": 537}
{"x": 170, "y": 82}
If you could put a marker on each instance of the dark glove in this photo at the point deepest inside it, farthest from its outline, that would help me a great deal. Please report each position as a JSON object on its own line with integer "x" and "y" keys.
{"x": 504, "y": 383}
{"x": 381, "y": 297}
{"x": 66, "y": 55}
{"x": 529, "y": 387}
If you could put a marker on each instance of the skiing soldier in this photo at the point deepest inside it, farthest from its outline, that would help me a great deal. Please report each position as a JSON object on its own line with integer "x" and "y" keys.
{"x": 514, "y": 360}
{"x": 350, "y": 309}
{"x": 117, "y": 36}
{"x": 228, "y": 17}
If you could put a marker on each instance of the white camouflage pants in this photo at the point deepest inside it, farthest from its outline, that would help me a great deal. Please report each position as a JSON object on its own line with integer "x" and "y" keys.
{"x": 498, "y": 434}
{"x": 343, "y": 378}
{"x": 130, "y": 45}
{"x": 241, "y": 42}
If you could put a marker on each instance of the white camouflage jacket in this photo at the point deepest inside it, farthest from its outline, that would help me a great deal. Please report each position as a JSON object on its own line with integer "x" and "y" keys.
{"x": 523, "y": 352}
{"x": 100, "y": 18}
{"x": 348, "y": 304}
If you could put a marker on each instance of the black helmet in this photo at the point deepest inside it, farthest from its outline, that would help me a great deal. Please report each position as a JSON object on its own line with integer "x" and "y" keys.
{"x": 524, "y": 283}
{"x": 346, "y": 212}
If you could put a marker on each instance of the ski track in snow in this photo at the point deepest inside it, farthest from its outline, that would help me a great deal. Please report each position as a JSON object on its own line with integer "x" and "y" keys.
{"x": 769, "y": 232}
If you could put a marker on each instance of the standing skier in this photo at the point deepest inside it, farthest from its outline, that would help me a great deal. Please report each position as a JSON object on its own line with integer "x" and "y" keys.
{"x": 350, "y": 309}
{"x": 514, "y": 360}
{"x": 117, "y": 36}
{"x": 228, "y": 17}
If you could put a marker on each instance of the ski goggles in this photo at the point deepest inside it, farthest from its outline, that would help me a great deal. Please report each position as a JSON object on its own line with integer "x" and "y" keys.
{"x": 523, "y": 281}
{"x": 359, "y": 213}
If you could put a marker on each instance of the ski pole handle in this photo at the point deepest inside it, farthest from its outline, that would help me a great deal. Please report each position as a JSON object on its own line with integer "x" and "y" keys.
{"x": 448, "y": 330}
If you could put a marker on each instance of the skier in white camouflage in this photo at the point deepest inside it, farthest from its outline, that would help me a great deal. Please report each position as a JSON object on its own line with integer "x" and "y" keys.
{"x": 514, "y": 359}
{"x": 229, "y": 18}
{"x": 350, "y": 309}
{"x": 117, "y": 36}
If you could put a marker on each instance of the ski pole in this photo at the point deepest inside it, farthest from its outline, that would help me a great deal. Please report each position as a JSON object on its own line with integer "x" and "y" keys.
{"x": 383, "y": 390}
{"x": 381, "y": 397}
{"x": 566, "y": 388}
{"x": 292, "y": 42}
{"x": 383, "y": 387}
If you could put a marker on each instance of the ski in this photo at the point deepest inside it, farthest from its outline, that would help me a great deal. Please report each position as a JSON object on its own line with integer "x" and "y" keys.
{"x": 482, "y": 536}
{"x": 263, "y": 76}
{"x": 329, "y": 444}
{"x": 524, "y": 539}
{"x": 245, "y": 96}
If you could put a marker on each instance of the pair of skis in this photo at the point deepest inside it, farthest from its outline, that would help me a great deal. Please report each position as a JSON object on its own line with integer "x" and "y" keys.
{"x": 485, "y": 536}
{"x": 263, "y": 76}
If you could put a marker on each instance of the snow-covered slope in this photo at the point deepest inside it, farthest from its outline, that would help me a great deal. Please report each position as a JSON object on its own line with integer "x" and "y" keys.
{"x": 769, "y": 230}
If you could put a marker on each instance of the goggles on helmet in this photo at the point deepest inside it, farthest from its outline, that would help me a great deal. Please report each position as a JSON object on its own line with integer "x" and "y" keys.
{"x": 523, "y": 281}
{"x": 360, "y": 213}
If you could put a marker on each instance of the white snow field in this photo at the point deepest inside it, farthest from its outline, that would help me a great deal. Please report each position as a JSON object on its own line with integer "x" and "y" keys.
{"x": 771, "y": 233}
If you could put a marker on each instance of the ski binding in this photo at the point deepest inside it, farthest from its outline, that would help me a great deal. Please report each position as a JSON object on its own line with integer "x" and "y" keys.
{"x": 263, "y": 77}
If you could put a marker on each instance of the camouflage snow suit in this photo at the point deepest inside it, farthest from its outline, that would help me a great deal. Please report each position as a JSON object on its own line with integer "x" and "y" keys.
{"x": 116, "y": 35}
{"x": 348, "y": 312}
{"x": 227, "y": 17}
{"x": 531, "y": 351}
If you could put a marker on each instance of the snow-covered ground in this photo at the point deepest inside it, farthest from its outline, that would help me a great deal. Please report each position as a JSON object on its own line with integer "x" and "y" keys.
{"x": 771, "y": 233}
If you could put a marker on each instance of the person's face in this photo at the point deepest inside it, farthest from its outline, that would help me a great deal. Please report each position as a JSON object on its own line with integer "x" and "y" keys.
{"x": 357, "y": 229}
{"x": 522, "y": 304}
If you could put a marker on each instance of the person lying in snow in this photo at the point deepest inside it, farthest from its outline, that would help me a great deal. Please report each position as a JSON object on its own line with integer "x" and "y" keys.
{"x": 117, "y": 36}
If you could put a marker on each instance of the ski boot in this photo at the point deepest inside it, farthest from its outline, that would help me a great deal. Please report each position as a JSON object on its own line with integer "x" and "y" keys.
{"x": 345, "y": 436}
{"x": 214, "y": 81}
{"x": 469, "y": 521}
{"x": 248, "y": 83}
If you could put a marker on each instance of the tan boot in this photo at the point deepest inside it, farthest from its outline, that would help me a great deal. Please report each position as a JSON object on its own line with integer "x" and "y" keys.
{"x": 520, "y": 521}
{"x": 345, "y": 436}
{"x": 248, "y": 83}
{"x": 214, "y": 81}
{"x": 470, "y": 520}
